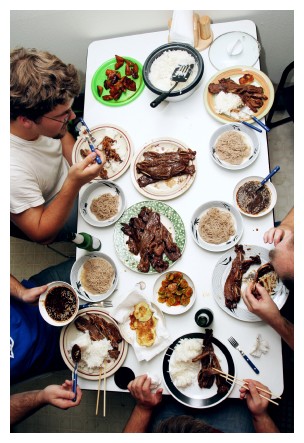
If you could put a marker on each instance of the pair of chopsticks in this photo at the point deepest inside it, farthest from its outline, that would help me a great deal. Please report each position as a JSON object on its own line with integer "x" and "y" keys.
{"x": 237, "y": 381}
{"x": 104, "y": 389}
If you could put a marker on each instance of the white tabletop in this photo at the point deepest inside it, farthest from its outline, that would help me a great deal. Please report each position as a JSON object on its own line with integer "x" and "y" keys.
{"x": 189, "y": 122}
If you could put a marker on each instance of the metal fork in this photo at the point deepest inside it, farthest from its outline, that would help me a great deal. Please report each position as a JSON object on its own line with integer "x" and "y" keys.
{"x": 235, "y": 344}
{"x": 102, "y": 304}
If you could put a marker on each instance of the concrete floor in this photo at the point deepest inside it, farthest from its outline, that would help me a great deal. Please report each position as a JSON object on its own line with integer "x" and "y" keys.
{"x": 28, "y": 258}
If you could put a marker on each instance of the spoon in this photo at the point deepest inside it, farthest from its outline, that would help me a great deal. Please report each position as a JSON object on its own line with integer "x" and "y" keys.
{"x": 76, "y": 356}
{"x": 274, "y": 171}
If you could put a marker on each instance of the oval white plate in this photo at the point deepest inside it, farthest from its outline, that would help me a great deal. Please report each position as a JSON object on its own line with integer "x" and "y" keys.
{"x": 221, "y": 272}
{"x": 163, "y": 189}
{"x": 123, "y": 147}
{"x": 95, "y": 190}
{"x": 269, "y": 185}
{"x": 173, "y": 310}
{"x": 252, "y": 141}
{"x": 238, "y": 222}
{"x": 76, "y": 282}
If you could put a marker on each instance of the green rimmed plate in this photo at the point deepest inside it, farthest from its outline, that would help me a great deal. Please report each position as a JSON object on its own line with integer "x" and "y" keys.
{"x": 169, "y": 218}
{"x": 126, "y": 97}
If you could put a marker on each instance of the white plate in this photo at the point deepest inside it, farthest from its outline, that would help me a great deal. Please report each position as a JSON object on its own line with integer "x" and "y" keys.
{"x": 169, "y": 218}
{"x": 163, "y": 189}
{"x": 173, "y": 310}
{"x": 193, "y": 395}
{"x": 238, "y": 223}
{"x": 221, "y": 272}
{"x": 76, "y": 282}
{"x": 260, "y": 79}
{"x": 252, "y": 141}
{"x": 70, "y": 333}
{"x": 95, "y": 190}
{"x": 269, "y": 185}
{"x": 123, "y": 146}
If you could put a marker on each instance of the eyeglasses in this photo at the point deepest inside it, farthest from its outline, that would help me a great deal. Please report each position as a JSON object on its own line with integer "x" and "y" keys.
{"x": 64, "y": 121}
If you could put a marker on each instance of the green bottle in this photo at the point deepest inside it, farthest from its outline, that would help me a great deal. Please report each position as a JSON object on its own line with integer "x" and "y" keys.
{"x": 85, "y": 241}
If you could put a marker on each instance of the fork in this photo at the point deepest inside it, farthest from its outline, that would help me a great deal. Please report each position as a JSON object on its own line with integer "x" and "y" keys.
{"x": 102, "y": 304}
{"x": 89, "y": 138}
{"x": 235, "y": 344}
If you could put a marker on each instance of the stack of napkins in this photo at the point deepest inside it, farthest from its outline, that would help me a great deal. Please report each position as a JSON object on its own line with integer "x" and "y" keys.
{"x": 121, "y": 315}
{"x": 182, "y": 27}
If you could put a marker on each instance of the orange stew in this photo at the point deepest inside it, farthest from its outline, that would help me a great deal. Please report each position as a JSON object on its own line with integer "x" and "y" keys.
{"x": 175, "y": 290}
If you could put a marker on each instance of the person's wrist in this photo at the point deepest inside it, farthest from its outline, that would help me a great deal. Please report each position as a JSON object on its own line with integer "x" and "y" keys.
{"x": 144, "y": 409}
{"x": 41, "y": 397}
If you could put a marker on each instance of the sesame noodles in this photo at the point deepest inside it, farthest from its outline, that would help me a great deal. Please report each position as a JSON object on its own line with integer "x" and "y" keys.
{"x": 97, "y": 275}
{"x": 216, "y": 226}
{"x": 105, "y": 206}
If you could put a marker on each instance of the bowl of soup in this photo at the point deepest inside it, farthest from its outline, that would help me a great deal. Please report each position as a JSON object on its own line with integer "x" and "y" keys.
{"x": 59, "y": 304}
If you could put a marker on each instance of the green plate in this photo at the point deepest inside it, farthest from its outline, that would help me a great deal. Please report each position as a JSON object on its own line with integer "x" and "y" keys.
{"x": 126, "y": 97}
{"x": 170, "y": 219}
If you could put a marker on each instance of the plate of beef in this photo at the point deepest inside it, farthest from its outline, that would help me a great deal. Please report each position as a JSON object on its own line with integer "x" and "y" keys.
{"x": 227, "y": 99}
{"x": 235, "y": 270}
{"x": 149, "y": 237}
{"x": 164, "y": 169}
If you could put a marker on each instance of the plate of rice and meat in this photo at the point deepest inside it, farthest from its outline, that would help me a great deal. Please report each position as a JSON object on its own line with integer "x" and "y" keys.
{"x": 94, "y": 276}
{"x": 149, "y": 237}
{"x": 164, "y": 169}
{"x": 216, "y": 226}
{"x": 98, "y": 336}
{"x": 102, "y": 203}
{"x": 234, "y": 146}
{"x": 188, "y": 370}
{"x": 115, "y": 143}
{"x": 237, "y": 93}
{"x": 235, "y": 270}
{"x": 174, "y": 292}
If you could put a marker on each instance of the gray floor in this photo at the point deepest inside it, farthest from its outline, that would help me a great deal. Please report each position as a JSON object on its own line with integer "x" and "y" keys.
{"x": 28, "y": 258}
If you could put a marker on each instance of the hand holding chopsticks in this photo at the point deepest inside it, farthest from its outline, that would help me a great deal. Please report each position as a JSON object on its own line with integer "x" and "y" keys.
{"x": 231, "y": 379}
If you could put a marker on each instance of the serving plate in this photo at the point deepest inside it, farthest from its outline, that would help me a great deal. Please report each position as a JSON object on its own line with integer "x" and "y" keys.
{"x": 163, "y": 189}
{"x": 168, "y": 217}
{"x": 251, "y": 139}
{"x": 76, "y": 281}
{"x": 260, "y": 79}
{"x": 95, "y": 190}
{"x": 193, "y": 395}
{"x": 127, "y": 96}
{"x": 238, "y": 223}
{"x": 70, "y": 333}
{"x": 123, "y": 146}
{"x": 173, "y": 310}
{"x": 221, "y": 272}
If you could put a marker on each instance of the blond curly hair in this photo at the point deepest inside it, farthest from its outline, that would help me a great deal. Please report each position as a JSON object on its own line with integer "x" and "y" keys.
{"x": 39, "y": 82}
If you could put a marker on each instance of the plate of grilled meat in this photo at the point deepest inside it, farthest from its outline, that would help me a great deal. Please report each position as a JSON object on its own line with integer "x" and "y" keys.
{"x": 98, "y": 336}
{"x": 235, "y": 270}
{"x": 149, "y": 237}
{"x": 164, "y": 169}
{"x": 191, "y": 369}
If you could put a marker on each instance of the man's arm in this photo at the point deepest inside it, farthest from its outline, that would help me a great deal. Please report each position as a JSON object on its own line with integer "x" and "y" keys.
{"x": 42, "y": 224}
{"x": 267, "y": 310}
{"x": 27, "y": 295}
{"x": 26, "y": 403}
{"x": 146, "y": 401}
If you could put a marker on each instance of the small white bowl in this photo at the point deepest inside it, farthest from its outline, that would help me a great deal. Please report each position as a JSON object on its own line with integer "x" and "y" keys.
{"x": 76, "y": 281}
{"x": 43, "y": 302}
{"x": 268, "y": 184}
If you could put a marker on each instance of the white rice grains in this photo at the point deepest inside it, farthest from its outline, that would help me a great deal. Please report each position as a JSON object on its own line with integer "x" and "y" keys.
{"x": 181, "y": 368}
{"x": 93, "y": 353}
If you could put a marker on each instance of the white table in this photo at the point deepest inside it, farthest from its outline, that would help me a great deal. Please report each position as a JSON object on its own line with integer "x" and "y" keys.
{"x": 187, "y": 121}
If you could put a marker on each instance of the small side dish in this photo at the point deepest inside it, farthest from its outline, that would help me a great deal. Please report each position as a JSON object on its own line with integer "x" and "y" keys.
{"x": 251, "y": 201}
{"x": 144, "y": 323}
{"x": 175, "y": 290}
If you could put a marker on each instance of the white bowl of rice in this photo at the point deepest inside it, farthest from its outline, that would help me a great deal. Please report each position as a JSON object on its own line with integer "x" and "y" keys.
{"x": 160, "y": 64}
{"x": 94, "y": 277}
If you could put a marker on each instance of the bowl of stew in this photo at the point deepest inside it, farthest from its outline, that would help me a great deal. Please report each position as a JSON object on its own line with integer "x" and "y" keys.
{"x": 59, "y": 304}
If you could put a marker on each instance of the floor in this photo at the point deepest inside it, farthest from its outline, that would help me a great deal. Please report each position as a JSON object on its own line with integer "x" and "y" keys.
{"x": 28, "y": 258}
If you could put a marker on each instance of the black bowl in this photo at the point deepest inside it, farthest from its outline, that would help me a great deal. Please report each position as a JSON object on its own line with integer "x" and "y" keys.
{"x": 189, "y": 89}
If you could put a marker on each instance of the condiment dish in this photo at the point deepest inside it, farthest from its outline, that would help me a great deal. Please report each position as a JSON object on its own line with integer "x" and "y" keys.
{"x": 268, "y": 185}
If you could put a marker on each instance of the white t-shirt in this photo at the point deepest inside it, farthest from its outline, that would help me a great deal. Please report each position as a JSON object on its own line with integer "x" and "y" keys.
{"x": 38, "y": 170}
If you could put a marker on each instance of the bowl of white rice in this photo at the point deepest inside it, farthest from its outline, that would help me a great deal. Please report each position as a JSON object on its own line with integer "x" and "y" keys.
{"x": 160, "y": 64}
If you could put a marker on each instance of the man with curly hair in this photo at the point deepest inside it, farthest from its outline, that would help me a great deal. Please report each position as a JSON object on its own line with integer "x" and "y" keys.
{"x": 44, "y": 185}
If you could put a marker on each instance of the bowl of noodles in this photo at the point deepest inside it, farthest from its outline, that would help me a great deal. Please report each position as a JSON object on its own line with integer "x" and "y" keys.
{"x": 216, "y": 226}
{"x": 94, "y": 277}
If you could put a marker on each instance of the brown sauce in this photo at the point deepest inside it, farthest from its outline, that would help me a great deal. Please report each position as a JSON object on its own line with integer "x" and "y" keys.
{"x": 253, "y": 202}
{"x": 60, "y": 303}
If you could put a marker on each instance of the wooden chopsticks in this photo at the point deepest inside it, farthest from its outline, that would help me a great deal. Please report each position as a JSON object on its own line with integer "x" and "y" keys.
{"x": 104, "y": 389}
{"x": 231, "y": 379}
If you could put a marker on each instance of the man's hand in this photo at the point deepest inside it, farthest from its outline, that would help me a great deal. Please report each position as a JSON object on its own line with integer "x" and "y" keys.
{"x": 141, "y": 391}
{"x": 61, "y": 396}
{"x": 86, "y": 170}
{"x": 264, "y": 306}
{"x": 276, "y": 235}
{"x": 256, "y": 404}
{"x": 32, "y": 295}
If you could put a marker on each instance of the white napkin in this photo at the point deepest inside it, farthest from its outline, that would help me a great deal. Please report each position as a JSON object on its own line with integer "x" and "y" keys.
{"x": 182, "y": 27}
{"x": 122, "y": 313}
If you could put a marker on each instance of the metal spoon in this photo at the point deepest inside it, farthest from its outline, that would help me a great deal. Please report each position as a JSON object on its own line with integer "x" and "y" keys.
{"x": 76, "y": 356}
